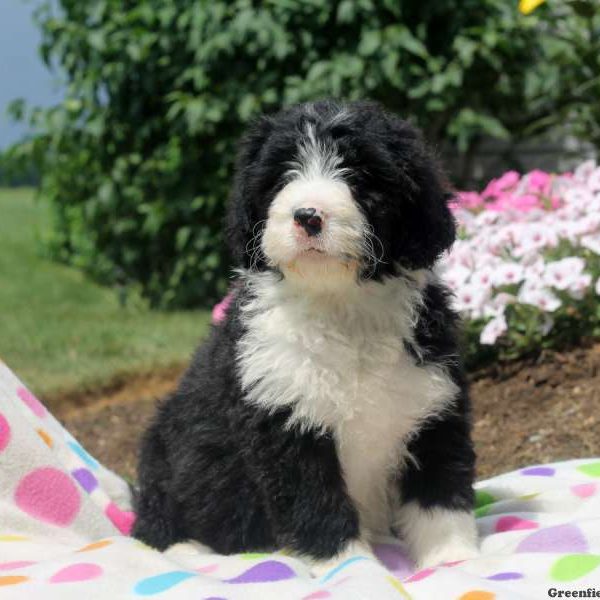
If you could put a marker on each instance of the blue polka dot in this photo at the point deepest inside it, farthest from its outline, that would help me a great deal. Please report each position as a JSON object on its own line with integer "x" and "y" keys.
{"x": 91, "y": 462}
{"x": 161, "y": 583}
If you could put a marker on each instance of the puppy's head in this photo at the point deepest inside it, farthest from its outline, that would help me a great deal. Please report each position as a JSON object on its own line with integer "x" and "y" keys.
{"x": 326, "y": 190}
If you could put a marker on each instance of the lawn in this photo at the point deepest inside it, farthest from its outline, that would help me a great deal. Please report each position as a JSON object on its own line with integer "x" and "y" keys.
{"x": 61, "y": 332}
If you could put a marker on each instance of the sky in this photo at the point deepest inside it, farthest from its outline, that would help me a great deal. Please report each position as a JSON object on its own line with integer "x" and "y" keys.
{"x": 22, "y": 72}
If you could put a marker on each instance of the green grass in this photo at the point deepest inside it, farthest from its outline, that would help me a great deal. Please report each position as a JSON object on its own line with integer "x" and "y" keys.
{"x": 59, "y": 331}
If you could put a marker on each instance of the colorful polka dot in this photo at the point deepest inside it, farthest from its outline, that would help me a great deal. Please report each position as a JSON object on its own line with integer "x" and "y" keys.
{"x": 483, "y": 503}
{"x": 270, "y": 570}
{"x": 419, "y": 575}
{"x": 36, "y": 407}
{"x": 86, "y": 479}
{"x": 318, "y": 595}
{"x": 584, "y": 490}
{"x": 253, "y": 555}
{"x": 16, "y": 564}
{"x": 77, "y": 572}
{"x": 482, "y": 498}
{"x": 591, "y": 469}
{"x": 161, "y": 583}
{"x": 45, "y": 437}
{"x": 89, "y": 460}
{"x": 12, "y": 579}
{"x": 208, "y": 569}
{"x": 505, "y": 576}
{"x": 95, "y": 546}
{"x": 478, "y": 595}
{"x": 560, "y": 538}
{"x": 538, "y": 471}
{"x": 513, "y": 523}
{"x": 399, "y": 587}
{"x": 4, "y": 432}
{"x": 574, "y": 566}
{"x": 13, "y": 538}
{"x": 394, "y": 560}
{"x": 48, "y": 495}
{"x": 122, "y": 519}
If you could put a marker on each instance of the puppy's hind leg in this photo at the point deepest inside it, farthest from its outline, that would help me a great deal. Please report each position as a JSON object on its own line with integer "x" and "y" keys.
{"x": 158, "y": 518}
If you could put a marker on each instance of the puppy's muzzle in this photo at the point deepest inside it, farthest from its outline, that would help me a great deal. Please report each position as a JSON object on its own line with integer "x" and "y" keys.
{"x": 309, "y": 219}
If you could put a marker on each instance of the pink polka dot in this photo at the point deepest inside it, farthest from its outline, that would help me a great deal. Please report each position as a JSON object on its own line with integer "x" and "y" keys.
{"x": 421, "y": 575}
{"x": 37, "y": 408}
{"x": 48, "y": 495}
{"x": 122, "y": 519}
{"x": 512, "y": 523}
{"x": 318, "y": 595}
{"x": 77, "y": 572}
{"x": 584, "y": 490}
{"x": 4, "y": 432}
{"x": 208, "y": 568}
{"x": 15, "y": 564}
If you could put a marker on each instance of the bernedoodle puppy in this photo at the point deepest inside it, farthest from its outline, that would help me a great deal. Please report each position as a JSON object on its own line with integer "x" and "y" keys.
{"x": 330, "y": 405}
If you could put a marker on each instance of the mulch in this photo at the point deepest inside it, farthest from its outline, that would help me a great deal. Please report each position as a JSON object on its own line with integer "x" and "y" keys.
{"x": 528, "y": 412}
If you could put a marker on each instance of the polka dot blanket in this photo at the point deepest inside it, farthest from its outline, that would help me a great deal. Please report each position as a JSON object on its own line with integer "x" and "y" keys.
{"x": 64, "y": 523}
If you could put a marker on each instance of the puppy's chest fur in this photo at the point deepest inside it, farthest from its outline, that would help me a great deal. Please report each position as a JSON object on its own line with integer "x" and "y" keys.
{"x": 343, "y": 367}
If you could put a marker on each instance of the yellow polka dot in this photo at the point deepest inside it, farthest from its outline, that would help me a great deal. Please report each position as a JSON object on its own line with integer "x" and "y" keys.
{"x": 399, "y": 588}
{"x": 529, "y": 496}
{"x": 12, "y": 538}
{"x": 12, "y": 579}
{"x": 47, "y": 439}
{"x": 95, "y": 546}
{"x": 478, "y": 595}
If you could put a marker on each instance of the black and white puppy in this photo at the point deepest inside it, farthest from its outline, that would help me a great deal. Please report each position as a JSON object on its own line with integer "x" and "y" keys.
{"x": 330, "y": 404}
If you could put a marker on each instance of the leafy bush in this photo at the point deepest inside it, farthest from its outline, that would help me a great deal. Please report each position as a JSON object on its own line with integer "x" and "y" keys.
{"x": 526, "y": 269}
{"x": 138, "y": 158}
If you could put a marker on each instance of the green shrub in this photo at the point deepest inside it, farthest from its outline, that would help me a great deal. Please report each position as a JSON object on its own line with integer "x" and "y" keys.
{"x": 137, "y": 159}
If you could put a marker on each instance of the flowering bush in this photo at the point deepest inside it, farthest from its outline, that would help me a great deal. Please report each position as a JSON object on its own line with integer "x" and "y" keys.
{"x": 526, "y": 267}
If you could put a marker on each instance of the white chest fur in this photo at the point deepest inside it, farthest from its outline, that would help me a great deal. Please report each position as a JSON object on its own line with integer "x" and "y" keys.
{"x": 341, "y": 365}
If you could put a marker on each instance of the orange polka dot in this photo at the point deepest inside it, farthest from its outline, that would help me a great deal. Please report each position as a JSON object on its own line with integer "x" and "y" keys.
{"x": 478, "y": 595}
{"x": 12, "y": 579}
{"x": 47, "y": 439}
{"x": 95, "y": 546}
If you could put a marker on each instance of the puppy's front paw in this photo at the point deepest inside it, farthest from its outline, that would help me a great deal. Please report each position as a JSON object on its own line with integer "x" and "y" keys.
{"x": 354, "y": 549}
{"x": 448, "y": 551}
{"x": 187, "y": 553}
{"x": 437, "y": 535}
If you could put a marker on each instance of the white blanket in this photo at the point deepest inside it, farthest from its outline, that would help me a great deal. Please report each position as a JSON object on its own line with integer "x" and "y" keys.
{"x": 64, "y": 520}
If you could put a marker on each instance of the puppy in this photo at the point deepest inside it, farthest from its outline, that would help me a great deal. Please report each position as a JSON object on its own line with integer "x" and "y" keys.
{"x": 329, "y": 405}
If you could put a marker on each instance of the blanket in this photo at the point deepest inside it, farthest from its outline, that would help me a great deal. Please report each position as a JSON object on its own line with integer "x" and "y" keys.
{"x": 65, "y": 519}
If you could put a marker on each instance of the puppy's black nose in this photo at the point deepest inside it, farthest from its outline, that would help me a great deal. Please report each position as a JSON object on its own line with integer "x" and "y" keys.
{"x": 309, "y": 220}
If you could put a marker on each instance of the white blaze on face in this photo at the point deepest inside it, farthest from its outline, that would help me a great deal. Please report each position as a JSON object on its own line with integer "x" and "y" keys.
{"x": 315, "y": 183}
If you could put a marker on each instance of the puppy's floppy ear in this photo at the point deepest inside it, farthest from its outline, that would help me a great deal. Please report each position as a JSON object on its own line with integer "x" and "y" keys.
{"x": 241, "y": 209}
{"x": 423, "y": 224}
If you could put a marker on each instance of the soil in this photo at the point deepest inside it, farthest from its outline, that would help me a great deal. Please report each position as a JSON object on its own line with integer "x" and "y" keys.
{"x": 525, "y": 413}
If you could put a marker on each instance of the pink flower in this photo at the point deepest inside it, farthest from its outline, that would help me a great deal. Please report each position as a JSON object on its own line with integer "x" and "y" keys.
{"x": 580, "y": 286}
{"x": 508, "y": 274}
{"x": 493, "y": 330}
{"x": 495, "y": 187}
{"x": 219, "y": 310}
{"x": 497, "y": 305}
{"x": 542, "y": 298}
{"x": 591, "y": 242}
{"x": 470, "y": 299}
{"x": 562, "y": 274}
{"x": 593, "y": 181}
{"x": 525, "y": 203}
{"x": 469, "y": 200}
{"x": 538, "y": 182}
{"x": 456, "y": 276}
